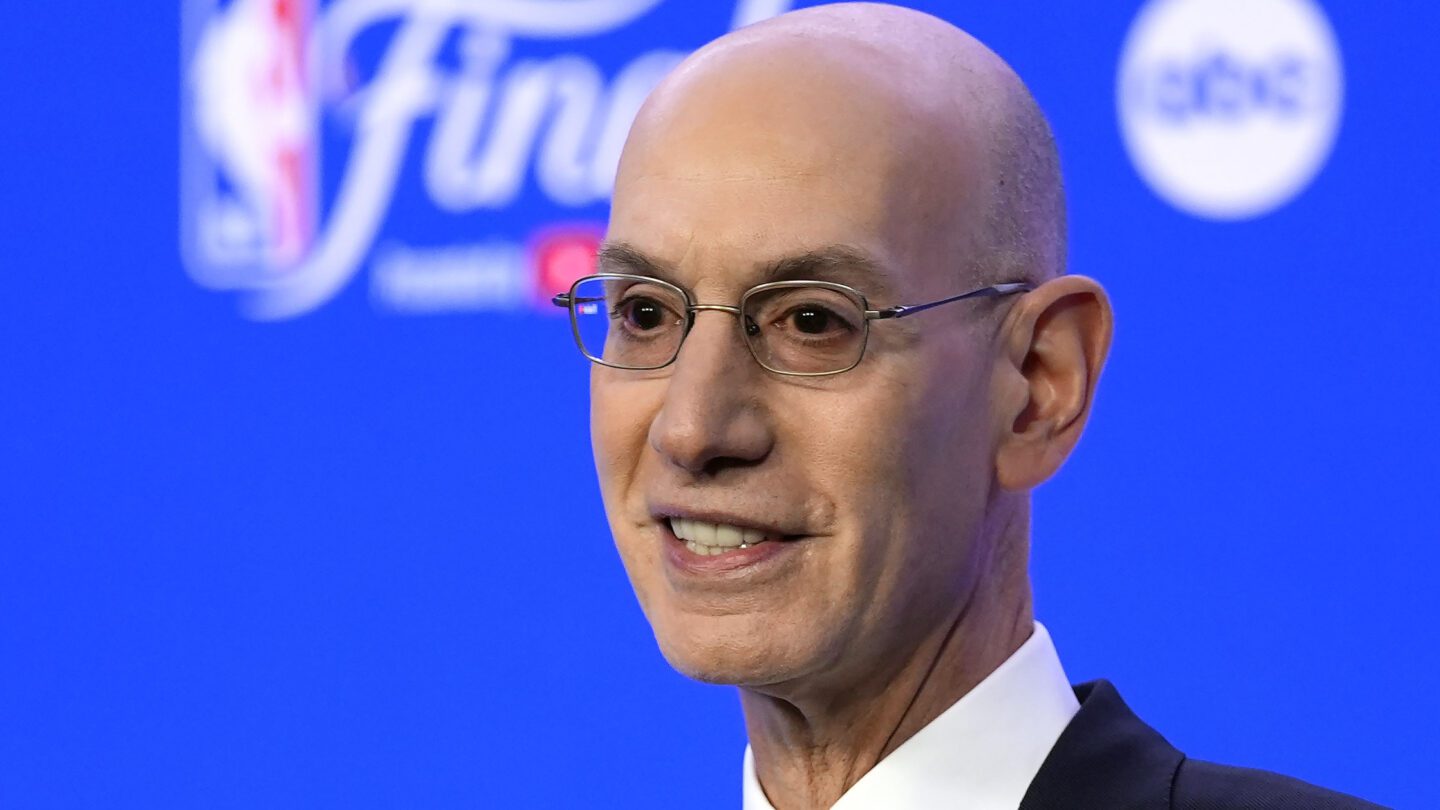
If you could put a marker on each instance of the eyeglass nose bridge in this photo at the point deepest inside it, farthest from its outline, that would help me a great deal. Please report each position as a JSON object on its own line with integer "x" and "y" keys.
{"x": 693, "y": 308}
{"x": 747, "y": 327}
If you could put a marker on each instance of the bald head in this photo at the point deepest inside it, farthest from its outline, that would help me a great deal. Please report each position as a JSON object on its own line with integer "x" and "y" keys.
{"x": 885, "y": 117}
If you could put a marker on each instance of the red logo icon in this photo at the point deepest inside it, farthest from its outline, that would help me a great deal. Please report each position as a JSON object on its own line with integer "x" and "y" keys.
{"x": 560, "y": 254}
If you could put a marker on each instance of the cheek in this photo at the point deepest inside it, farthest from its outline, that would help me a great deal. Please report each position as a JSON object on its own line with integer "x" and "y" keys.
{"x": 905, "y": 462}
{"x": 621, "y": 411}
{"x": 619, "y": 430}
{"x": 860, "y": 440}
{"x": 948, "y": 471}
{"x": 851, "y": 446}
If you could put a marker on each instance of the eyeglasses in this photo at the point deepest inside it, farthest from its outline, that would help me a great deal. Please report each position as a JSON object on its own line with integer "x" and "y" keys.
{"x": 796, "y": 328}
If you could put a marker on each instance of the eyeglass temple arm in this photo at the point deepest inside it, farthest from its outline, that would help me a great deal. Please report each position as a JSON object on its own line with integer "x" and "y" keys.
{"x": 563, "y": 300}
{"x": 984, "y": 292}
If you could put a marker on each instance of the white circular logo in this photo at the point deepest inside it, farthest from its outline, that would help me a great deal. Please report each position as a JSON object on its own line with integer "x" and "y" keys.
{"x": 1229, "y": 108}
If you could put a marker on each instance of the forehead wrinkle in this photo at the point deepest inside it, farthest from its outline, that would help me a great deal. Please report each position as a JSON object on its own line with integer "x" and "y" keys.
{"x": 720, "y": 221}
{"x": 759, "y": 174}
{"x": 838, "y": 263}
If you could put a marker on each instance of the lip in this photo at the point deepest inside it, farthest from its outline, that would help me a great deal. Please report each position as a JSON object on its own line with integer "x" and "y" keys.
{"x": 739, "y": 562}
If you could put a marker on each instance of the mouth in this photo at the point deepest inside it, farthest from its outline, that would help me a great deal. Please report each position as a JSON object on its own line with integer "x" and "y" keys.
{"x": 710, "y": 554}
{"x": 710, "y": 539}
{"x": 714, "y": 539}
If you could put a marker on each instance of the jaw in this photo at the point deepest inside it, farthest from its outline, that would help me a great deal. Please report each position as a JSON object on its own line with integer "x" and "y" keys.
{"x": 862, "y": 715}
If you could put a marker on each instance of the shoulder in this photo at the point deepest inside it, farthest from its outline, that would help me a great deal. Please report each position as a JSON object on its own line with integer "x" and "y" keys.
{"x": 1201, "y": 785}
{"x": 1108, "y": 757}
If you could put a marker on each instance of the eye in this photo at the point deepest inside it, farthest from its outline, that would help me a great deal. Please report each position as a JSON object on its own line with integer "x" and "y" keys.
{"x": 641, "y": 313}
{"x": 816, "y": 320}
{"x": 803, "y": 316}
{"x": 812, "y": 320}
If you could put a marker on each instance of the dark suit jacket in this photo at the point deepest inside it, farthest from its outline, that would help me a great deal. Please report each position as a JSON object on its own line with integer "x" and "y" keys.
{"x": 1107, "y": 759}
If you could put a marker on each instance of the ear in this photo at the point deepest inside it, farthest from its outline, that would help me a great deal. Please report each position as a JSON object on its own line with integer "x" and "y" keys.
{"x": 1054, "y": 342}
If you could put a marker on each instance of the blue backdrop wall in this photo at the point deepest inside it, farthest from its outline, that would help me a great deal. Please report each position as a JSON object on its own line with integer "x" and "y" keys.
{"x": 296, "y": 504}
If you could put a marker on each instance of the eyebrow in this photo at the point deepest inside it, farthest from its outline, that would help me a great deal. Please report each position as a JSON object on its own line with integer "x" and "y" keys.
{"x": 621, "y": 257}
{"x": 839, "y": 263}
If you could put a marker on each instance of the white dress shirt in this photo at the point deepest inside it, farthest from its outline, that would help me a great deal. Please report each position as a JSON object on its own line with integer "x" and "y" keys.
{"x": 979, "y": 754}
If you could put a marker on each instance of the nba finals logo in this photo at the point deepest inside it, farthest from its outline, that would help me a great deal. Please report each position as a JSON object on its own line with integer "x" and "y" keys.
{"x": 1229, "y": 108}
{"x": 302, "y": 122}
{"x": 250, "y": 194}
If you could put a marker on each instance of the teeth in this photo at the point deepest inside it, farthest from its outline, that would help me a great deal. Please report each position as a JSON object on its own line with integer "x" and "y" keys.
{"x": 703, "y": 533}
{"x": 709, "y": 539}
{"x": 728, "y": 536}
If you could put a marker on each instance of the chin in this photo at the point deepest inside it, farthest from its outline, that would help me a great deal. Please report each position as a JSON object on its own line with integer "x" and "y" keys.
{"x": 725, "y": 667}
{"x": 709, "y": 651}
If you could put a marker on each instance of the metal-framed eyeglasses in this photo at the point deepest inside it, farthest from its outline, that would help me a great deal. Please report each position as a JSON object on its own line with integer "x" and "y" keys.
{"x": 795, "y": 328}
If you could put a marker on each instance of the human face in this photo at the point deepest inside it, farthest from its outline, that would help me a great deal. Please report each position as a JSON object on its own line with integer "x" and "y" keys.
{"x": 868, "y": 487}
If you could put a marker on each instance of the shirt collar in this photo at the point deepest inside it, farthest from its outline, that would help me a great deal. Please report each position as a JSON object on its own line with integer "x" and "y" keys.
{"x": 979, "y": 754}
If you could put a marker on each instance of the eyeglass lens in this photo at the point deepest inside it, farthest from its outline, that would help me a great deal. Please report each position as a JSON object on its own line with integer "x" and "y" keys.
{"x": 629, "y": 323}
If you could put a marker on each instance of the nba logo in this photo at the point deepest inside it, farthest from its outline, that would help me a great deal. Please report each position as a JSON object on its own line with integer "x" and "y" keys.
{"x": 249, "y": 140}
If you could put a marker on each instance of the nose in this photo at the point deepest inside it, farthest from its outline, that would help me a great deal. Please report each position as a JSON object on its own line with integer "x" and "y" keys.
{"x": 713, "y": 416}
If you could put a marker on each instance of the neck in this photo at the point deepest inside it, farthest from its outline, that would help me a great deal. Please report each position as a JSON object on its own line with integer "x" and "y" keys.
{"x": 810, "y": 749}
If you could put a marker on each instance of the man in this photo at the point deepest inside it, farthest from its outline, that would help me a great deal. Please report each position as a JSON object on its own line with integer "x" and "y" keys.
{"x": 819, "y": 484}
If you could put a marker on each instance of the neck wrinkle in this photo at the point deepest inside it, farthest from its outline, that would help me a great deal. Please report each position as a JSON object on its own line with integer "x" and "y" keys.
{"x": 809, "y": 759}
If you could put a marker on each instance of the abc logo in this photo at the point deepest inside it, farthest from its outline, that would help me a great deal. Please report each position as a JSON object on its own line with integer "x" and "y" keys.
{"x": 1229, "y": 108}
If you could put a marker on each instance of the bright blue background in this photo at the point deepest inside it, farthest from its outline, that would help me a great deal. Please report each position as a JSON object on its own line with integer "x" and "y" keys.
{"x": 358, "y": 560}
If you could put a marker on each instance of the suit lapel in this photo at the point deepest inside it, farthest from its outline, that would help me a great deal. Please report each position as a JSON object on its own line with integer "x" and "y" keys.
{"x": 1106, "y": 757}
